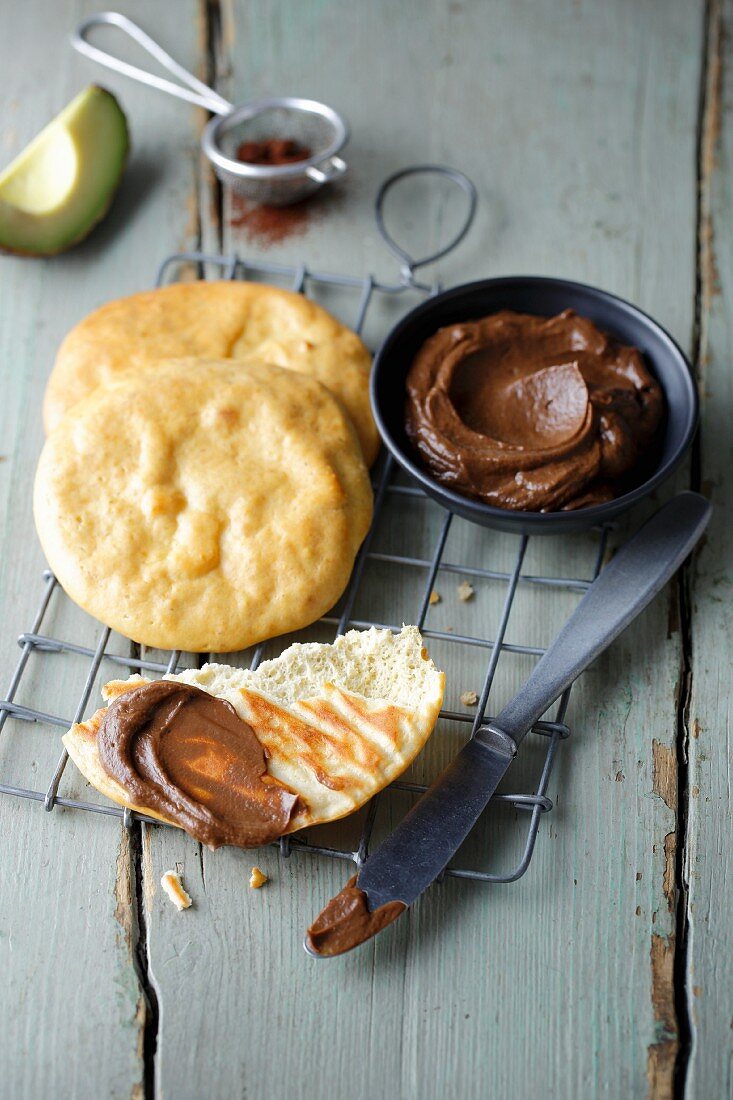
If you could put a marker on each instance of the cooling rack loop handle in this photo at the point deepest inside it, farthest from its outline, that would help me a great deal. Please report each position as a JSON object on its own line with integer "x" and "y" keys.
{"x": 190, "y": 88}
{"x": 409, "y": 264}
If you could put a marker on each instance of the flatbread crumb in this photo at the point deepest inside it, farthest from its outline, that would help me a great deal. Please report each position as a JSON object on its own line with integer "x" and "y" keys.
{"x": 257, "y": 878}
{"x": 469, "y": 698}
{"x": 171, "y": 883}
{"x": 434, "y": 597}
{"x": 465, "y": 591}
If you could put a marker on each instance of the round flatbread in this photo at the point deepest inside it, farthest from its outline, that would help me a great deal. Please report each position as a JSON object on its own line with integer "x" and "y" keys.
{"x": 338, "y": 722}
{"x": 214, "y": 320}
{"x": 204, "y": 506}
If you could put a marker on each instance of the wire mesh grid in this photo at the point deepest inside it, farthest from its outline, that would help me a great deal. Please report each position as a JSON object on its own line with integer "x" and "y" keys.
{"x": 36, "y": 643}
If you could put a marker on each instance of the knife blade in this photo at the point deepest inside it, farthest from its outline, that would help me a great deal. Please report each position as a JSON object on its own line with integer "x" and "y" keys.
{"x": 421, "y": 846}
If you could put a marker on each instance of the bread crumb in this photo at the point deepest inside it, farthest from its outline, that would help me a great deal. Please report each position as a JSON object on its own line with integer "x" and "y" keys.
{"x": 171, "y": 883}
{"x": 465, "y": 591}
{"x": 469, "y": 698}
{"x": 257, "y": 878}
{"x": 434, "y": 597}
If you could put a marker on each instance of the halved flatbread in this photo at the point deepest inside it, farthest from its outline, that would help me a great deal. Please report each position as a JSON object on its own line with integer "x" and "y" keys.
{"x": 339, "y": 722}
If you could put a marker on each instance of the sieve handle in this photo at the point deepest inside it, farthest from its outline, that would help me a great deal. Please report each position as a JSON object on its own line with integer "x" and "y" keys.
{"x": 327, "y": 170}
{"x": 190, "y": 87}
{"x": 409, "y": 264}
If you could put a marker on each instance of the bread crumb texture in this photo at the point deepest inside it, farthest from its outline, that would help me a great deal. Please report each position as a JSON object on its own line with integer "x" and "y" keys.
{"x": 257, "y": 878}
{"x": 171, "y": 883}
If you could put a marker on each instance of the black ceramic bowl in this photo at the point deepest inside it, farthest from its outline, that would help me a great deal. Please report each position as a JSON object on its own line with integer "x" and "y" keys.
{"x": 544, "y": 297}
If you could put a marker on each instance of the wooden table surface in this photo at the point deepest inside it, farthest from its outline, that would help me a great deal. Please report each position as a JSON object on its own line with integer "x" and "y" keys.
{"x": 600, "y": 136}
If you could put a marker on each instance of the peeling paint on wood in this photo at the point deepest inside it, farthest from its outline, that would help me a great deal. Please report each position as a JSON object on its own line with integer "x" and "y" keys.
{"x": 669, "y": 881}
{"x": 123, "y": 888}
{"x": 148, "y": 875}
{"x": 662, "y": 1052}
{"x": 664, "y": 773}
{"x": 709, "y": 859}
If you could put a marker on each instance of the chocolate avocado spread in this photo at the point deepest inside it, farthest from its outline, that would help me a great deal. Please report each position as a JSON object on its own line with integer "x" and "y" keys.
{"x": 532, "y": 413}
{"x": 346, "y": 921}
{"x": 178, "y": 750}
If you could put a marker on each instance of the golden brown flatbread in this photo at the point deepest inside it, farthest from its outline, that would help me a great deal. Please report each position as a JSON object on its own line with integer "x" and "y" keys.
{"x": 214, "y": 320}
{"x": 204, "y": 505}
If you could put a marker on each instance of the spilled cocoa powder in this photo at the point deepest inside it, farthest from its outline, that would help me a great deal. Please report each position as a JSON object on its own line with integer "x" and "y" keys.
{"x": 268, "y": 225}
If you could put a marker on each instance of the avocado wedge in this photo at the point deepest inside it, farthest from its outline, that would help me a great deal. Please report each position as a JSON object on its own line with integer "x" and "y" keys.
{"x": 63, "y": 182}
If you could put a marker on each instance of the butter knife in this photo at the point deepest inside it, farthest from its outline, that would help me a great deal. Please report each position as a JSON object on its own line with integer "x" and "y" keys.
{"x": 421, "y": 846}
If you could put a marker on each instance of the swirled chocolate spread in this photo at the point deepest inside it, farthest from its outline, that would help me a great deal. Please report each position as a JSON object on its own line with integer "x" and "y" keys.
{"x": 346, "y": 921}
{"x": 178, "y": 750}
{"x": 532, "y": 413}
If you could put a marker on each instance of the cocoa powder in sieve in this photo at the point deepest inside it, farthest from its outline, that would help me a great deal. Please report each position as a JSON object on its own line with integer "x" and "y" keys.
{"x": 268, "y": 225}
{"x": 272, "y": 151}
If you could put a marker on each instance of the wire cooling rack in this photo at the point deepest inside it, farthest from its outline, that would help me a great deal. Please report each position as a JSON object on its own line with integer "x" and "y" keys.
{"x": 36, "y": 644}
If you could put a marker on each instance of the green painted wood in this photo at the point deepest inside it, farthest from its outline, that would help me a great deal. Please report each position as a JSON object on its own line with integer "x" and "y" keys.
{"x": 70, "y": 998}
{"x": 578, "y": 123}
{"x": 709, "y": 822}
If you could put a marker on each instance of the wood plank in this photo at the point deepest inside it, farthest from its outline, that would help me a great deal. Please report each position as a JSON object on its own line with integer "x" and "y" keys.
{"x": 70, "y": 1001}
{"x": 568, "y": 117}
{"x": 709, "y": 721}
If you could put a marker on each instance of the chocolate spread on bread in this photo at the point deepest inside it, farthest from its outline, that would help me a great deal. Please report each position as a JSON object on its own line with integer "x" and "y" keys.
{"x": 346, "y": 921}
{"x": 178, "y": 750}
{"x": 532, "y": 413}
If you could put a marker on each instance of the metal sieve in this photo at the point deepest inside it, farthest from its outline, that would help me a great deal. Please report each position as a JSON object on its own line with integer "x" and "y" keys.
{"x": 312, "y": 124}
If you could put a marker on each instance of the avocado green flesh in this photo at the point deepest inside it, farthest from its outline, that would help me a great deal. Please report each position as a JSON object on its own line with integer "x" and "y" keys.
{"x": 62, "y": 183}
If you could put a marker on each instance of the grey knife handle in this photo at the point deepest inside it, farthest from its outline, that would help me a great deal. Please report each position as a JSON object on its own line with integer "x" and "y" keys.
{"x": 625, "y": 586}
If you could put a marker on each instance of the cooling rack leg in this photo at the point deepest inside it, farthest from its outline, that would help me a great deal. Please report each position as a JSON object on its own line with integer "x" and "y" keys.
{"x": 50, "y": 799}
{"x": 433, "y": 570}
{"x": 27, "y": 649}
{"x": 356, "y": 577}
{"x": 500, "y": 634}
